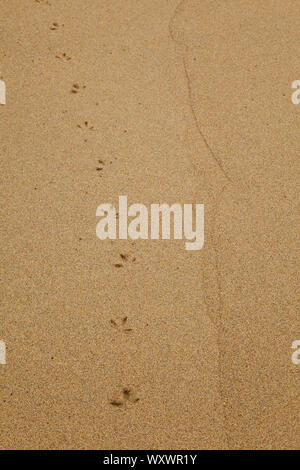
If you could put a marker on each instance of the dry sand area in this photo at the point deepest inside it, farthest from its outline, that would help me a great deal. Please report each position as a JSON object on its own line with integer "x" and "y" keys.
{"x": 186, "y": 102}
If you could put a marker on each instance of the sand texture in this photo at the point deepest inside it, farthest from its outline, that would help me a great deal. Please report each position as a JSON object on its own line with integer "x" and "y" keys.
{"x": 165, "y": 102}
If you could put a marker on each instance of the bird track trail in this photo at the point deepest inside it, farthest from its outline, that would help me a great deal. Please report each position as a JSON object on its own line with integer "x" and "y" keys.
{"x": 215, "y": 313}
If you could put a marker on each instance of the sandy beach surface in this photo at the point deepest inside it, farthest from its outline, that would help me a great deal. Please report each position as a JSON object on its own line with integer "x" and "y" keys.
{"x": 123, "y": 344}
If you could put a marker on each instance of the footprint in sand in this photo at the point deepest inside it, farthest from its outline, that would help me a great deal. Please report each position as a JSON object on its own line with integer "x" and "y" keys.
{"x": 76, "y": 88}
{"x": 125, "y": 259}
{"x": 63, "y": 56}
{"x": 122, "y": 325}
{"x": 126, "y": 396}
{"x": 86, "y": 126}
{"x": 55, "y": 26}
{"x": 43, "y": 2}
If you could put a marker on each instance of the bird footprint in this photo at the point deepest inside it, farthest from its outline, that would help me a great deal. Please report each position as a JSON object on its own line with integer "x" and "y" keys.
{"x": 100, "y": 166}
{"x": 127, "y": 396}
{"x": 86, "y": 125}
{"x": 63, "y": 56}
{"x": 125, "y": 258}
{"x": 76, "y": 88}
{"x": 122, "y": 325}
{"x": 55, "y": 26}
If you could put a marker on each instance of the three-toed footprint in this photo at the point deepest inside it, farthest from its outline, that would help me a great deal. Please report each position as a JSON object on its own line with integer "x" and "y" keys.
{"x": 125, "y": 258}
{"x": 55, "y": 26}
{"x": 76, "y": 88}
{"x": 87, "y": 126}
{"x": 63, "y": 56}
{"x": 122, "y": 325}
{"x": 126, "y": 396}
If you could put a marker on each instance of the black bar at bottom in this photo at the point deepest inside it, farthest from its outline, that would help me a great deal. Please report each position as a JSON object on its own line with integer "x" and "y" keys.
{"x": 137, "y": 458}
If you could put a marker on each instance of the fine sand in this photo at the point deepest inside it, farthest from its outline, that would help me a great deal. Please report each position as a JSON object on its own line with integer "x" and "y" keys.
{"x": 165, "y": 102}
